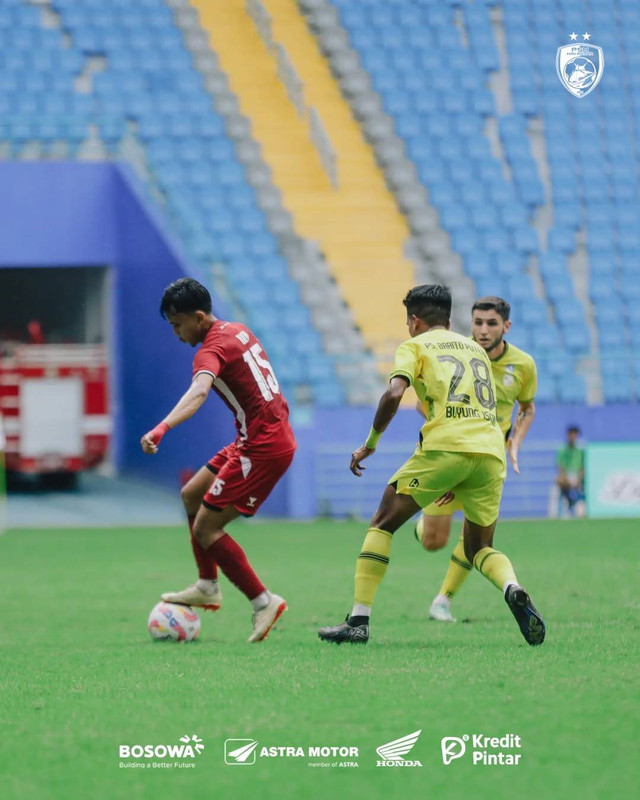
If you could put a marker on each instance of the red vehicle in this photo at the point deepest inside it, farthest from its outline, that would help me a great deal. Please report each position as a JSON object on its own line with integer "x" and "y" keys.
{"x": 54, "y": 402}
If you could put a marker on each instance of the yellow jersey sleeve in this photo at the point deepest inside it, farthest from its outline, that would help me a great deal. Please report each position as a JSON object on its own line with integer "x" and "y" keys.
{"x": 529, "y": 382}
{"x": 407, "y": 363}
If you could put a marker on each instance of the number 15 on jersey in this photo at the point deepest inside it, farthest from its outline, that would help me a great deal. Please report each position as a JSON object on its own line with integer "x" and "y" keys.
{"x": 262, "y": 372}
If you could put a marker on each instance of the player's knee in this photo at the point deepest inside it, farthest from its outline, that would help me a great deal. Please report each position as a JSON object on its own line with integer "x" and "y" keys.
{"x": 191, "y": 499}
{"x": 384, "y": 522}
{"x": 435, "y": 532}
{"x": 205, "y": 533}
{"x": 199, "y": 533}
{"x": 432, "y": 543}
{"x": 185, "y": 496}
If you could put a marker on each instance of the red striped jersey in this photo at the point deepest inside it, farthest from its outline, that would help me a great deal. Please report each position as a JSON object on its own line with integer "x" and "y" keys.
{"x": 245, "y": 380}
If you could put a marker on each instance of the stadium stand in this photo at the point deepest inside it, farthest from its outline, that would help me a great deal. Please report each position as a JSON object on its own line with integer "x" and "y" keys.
{"x": 509, "y": 185}
{"x": 91, "y": 73}
{"x": 351, "y": 213}
{"x": 572, "y": 281}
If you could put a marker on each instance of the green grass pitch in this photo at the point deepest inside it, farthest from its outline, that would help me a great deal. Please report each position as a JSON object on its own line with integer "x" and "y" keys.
{"x": 80, "y": 675}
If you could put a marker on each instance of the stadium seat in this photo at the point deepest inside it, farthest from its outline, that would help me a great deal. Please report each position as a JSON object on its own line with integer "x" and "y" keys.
{"x": 546, "y": 392}
{"x": 435, "y": 89}
{"x": 478, "y": 265}
{"x": 571, "y": 389}
{"x": 619, "y": 389}
{"x": 562, "y": 240}
{"x": 576, "y": 339}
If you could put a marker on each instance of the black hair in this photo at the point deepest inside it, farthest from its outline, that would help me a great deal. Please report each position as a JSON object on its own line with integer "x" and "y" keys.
{"x": 185, "y": 296}
{"x": 573, "y": 429}
{"x": 496, "y": 304}
{"x": 430, "y": 302}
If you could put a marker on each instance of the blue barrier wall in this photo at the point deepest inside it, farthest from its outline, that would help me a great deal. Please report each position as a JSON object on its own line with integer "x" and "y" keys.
{"x": 72, "y": 214}
{"x": 324, "y": 485}
{"x": 57, "y": 214}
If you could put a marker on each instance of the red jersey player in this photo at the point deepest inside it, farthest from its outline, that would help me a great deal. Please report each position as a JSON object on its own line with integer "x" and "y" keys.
{"x": 237, "y": 480}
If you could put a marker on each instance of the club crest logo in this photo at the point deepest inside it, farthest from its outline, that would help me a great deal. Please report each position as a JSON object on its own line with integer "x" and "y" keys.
{"x": 580, "y": 65}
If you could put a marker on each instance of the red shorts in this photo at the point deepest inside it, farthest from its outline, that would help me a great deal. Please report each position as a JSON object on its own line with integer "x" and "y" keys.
{"x": 243, "y": 481}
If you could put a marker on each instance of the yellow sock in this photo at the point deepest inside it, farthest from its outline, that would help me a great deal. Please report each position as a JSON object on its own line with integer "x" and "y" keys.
{"x": 495, "y": 566}
{"x": 459, "y": 569}
{"x": 371, "y": 565}
{"x": 419, "y": 529}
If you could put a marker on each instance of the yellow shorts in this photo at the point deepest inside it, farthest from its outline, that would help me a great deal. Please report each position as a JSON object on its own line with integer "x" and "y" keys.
{"x": 449, "y": 510}
{"x": 475, "y": 478}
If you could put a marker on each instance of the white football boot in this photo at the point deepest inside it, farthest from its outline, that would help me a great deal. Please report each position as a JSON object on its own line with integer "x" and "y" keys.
{"x": 267, "y": 617}
{"x": 195, "y": 595}
{"x": 441, "y": 610}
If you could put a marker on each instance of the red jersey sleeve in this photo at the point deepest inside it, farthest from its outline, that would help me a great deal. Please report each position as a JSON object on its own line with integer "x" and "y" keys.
{"x": 208, "y": 360}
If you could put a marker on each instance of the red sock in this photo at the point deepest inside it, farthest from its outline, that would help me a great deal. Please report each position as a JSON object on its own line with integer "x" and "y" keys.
{"x": 235, "y": 565}
{"x": 207, "y": 567}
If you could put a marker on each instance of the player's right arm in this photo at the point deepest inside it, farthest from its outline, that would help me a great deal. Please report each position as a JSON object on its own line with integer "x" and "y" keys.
{"x": 185, "y": 408}
{"x": 405, "y": 369}
{"x": 386, "y": 411}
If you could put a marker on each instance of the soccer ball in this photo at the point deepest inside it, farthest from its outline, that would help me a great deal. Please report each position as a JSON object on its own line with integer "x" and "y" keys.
{"x": 169, "y": 622}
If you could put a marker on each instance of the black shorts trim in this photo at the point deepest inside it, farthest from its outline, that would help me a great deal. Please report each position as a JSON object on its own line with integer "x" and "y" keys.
{"x": 212, "y": 507}
{"x": 508, "y": 434}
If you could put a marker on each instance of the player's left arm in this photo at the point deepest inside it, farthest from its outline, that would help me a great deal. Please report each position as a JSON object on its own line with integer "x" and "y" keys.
{"x": 386, "y": 411}
{"x": 526, "y": 412}
{"x": 185, "y": 408}
{"x": 524, "y": 418}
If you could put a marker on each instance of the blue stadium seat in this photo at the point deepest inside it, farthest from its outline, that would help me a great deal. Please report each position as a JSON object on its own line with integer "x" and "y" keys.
{"x": 567, "y": 215}
{"x": 570, "y": 314}
{"x": 514, "y": 216}
{"x": 502, "y": 193}
{"x": 520, "y": 288}
{"x": 576, "y": 339}
{"x": 560, "y": 289}
{"x": 285, "y": 293}
{"x": 493, "y": 285}
{"x": 466, "y": 242}
{"x": 262, "y": 245}
{"x": 478, "y": 265}
{"x": 602, "y": 289}
{"x": 484, "y": 218}
{"x": 560, "y": 365}
{"x": 307, "y": 342}
{"x": 496, "y": 240}
{"x": 508, "y": 264}
{"x": 477, "y": 147}
{"x": 562, "y": 240}
{"x": 231, "y": 245}
{"x": 618, "y": 389}
{"x": 547, "y": 392}
{"x": 629, "y": 238}
{"x": 454, "y": 218}
{"x": 571, "y": 389}
{"x": 564, "y": 193}
{"x": 525, "y": 240}
{"x": 602, "y": 262}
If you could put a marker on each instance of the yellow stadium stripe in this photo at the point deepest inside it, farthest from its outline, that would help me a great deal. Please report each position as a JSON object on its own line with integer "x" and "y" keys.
{"x": 357, "y": 225}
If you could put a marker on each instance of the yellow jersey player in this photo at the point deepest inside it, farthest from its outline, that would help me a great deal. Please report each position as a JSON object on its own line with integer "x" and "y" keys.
{"x": 514, "y": 373}
{"x": 461, "y": 451}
